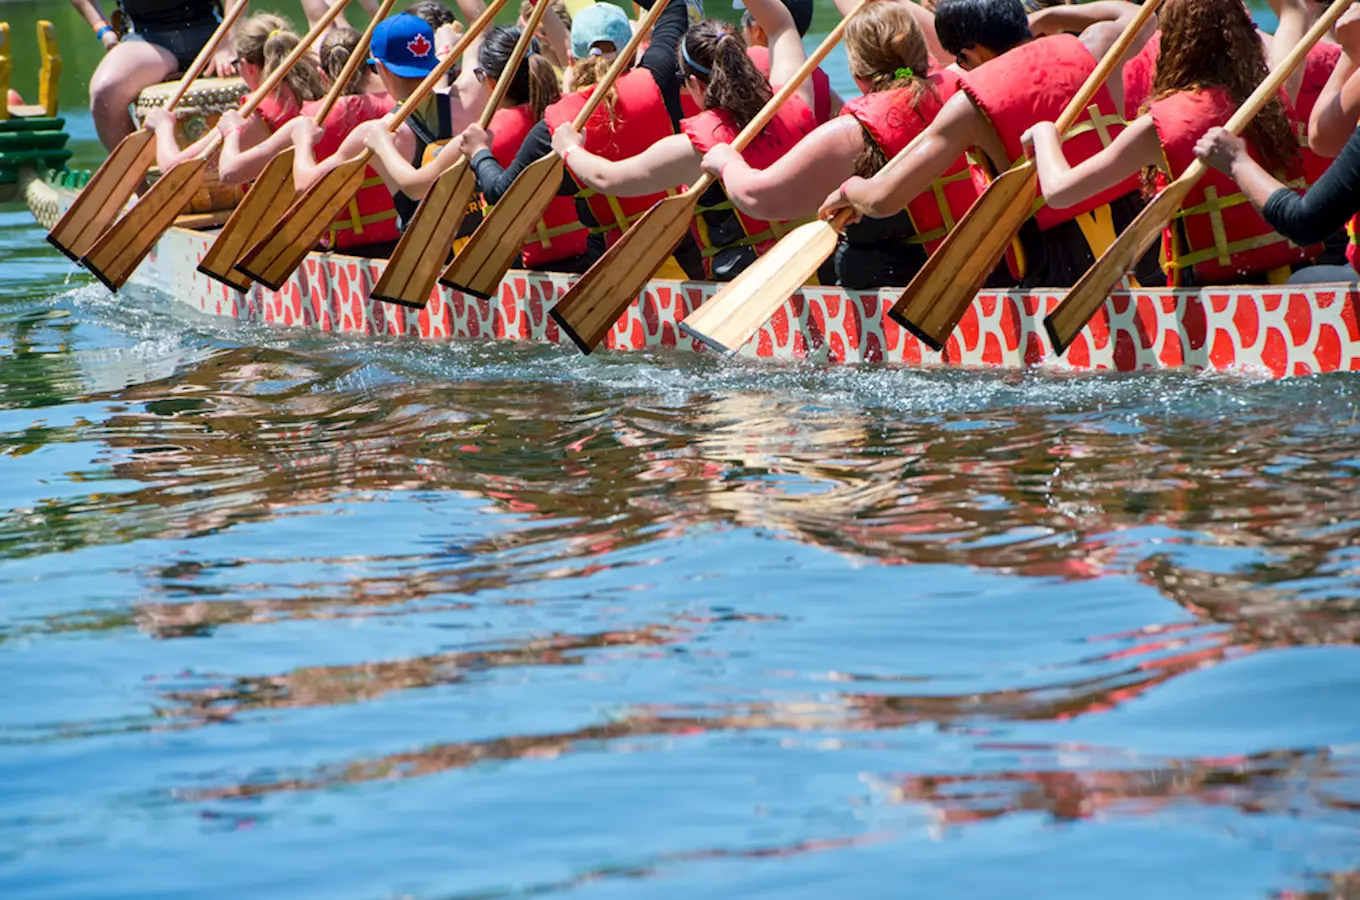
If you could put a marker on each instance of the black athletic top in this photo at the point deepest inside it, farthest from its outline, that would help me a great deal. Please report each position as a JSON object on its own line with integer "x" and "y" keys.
{"x": 168, "y": 14}
{"x": 1330, "y": 202}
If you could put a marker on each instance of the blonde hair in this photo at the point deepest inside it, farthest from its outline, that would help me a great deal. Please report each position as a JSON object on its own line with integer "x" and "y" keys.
{"x": 264, "y": 40}
{"x": 886, "y": 47}
{"x": 591, "y": 70}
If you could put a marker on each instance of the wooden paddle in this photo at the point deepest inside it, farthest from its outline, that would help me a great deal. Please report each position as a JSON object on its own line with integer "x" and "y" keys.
{"x": 1091, "y": 292}
{"x": 277, "y": 256}
{"x": 489, "y": 253}
{"x": 945, "y": 286}
{"x": 595, "y": 302}
{"x": 729, "y": 318}
{"x": 410, "y": 274}
{"x": 272, "y": 192}
{"x": 104, "y": 197}
{"x": 118, "y": 252}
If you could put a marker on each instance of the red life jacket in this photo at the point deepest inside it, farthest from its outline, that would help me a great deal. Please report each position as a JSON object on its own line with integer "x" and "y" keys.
{"x": 1221, "y": 235}
{"x": 821, "y": 88}
{"x": 1032, "y": 83}
{"x": 1139, "y": 73}
{"x": 276, "y": 110}
{"x": 370, "y": 218}
{"x": 638, "y": 121}
{"x": 1317, "y": 68}
{"x": 891, "y": 121}
{"x": 790, "y": 124}
{"x": 559, "y": 234}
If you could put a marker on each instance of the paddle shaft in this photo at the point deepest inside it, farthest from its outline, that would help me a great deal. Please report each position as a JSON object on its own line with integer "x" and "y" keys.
{"x": 357, "y": 57}
{"x": 1089, "y": 294}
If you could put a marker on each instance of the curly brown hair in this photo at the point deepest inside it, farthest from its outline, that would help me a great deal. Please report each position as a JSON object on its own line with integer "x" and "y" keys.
{"x": 1213, "y": 43}
{"x": 732, "y": 81}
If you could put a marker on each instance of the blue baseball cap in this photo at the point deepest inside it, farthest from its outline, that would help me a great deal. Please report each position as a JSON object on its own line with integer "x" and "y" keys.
{"x": 405, "y": 45}
{"x": 599, "y": 22}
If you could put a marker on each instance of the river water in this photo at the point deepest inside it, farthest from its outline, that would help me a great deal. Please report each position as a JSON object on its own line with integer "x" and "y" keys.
{"x": 294, "y": 616}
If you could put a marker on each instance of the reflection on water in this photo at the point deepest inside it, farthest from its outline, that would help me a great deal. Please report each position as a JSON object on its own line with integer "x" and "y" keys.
{"x": 399, "y": 620}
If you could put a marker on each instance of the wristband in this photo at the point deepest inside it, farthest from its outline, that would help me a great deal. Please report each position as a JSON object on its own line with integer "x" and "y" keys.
{"x": 105, "y": 26}
{"x": 567, "y": 152}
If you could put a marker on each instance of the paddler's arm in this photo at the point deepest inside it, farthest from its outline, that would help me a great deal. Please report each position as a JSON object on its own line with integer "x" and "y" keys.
{"x": 307, "y": 169}
{"x": 669, "y": 163}
{"x": 248, "y": 147}
{"x": 396, "y": 169}
{"x": 958, "y": 127}
{"x": 1304, "y": 219}
{"x": 168, "y": 153}
{"x": 786, "y": 45}
{"x": 91, "y": 11}
{"x": 1295, "y": 19}
{"x": 553, "y": 32}
{"x": 793, "y": 185}
{"x": 1064, "y": 185}
{"x": 1338, "y": 106}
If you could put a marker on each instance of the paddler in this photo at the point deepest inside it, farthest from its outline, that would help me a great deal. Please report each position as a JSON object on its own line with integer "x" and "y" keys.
{"x": 1209, "y": 63}
{"x": 998, "y": 100}
{"x": 1335, "y": 197}
{"x": 261, "y": 44}
{"x": 642, "y": 108}
{"x": 559, "y": 243}
{"x": 163, "y": 37}
{"x": 730, "y": 91}
{"x": 903, "y": 93}
{"x": 369, "y": 226}
{"x": 403, "y": 53}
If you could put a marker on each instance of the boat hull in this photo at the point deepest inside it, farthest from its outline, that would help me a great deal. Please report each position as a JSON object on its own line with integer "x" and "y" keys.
{"x": 1276, "y": 331}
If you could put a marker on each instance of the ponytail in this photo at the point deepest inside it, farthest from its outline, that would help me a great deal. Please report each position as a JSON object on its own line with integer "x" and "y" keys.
{"x": 591, "y": 70}
{"x": 534, "y": 82}
{"x": 544, "y": 88}
{"x": 264, "y": 41}
{"x": 336, "y": 49}
{"x": 714, "y": 53}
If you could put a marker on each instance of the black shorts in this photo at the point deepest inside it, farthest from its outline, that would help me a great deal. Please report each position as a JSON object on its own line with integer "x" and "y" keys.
{"x": 183, "y": 41}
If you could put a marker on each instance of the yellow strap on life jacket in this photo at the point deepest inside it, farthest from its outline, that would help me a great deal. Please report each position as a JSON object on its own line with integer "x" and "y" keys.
{"x": 1095, "y": 121}
{"x": 1223, "y": 249}
{"x": 937, "y": 187}
{"x": 353, "y": 222}
{"x": 775, "y": 231}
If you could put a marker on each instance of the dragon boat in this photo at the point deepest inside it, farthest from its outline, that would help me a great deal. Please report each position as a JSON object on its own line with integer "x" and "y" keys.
{"x": 1272, "y": 331}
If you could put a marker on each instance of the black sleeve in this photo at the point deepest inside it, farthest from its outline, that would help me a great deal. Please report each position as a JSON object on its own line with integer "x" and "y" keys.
{"x": 493, "y": 181}
{"x": 662, "y": 56}
{"x": 1315, "y": 216}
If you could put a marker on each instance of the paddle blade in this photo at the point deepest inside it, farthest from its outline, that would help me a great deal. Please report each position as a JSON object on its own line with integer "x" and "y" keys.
{"x": 594, "y": 304}
{"x": 103, "y": 198}
{"x": 118, "y": 252}
{"x": 274, "y": 259}
{"x": 268, "y": 198}
{"x": 736, "y": 312}
{"x": 424, "y": 246}
{"x": 490, "y": 252}
{"x": 941, "y": 292}
{"x": 1090, "y": 293}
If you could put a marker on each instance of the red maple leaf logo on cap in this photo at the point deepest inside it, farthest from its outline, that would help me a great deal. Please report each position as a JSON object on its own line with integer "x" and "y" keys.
{"x": 418, "y": 45}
